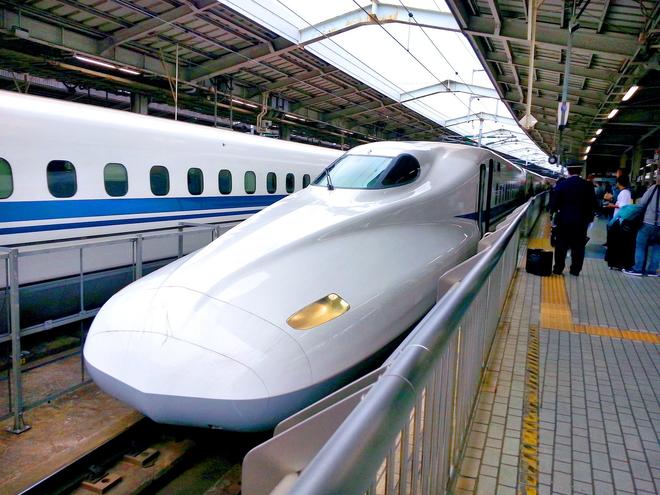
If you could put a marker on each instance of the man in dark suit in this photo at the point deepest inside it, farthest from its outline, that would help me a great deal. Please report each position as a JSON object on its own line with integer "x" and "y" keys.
{"x": 574, "y": 201}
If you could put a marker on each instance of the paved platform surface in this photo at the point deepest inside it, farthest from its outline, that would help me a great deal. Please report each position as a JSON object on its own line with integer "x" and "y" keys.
{"x": 62, "y": 431}
{"x": 570, "y": 398}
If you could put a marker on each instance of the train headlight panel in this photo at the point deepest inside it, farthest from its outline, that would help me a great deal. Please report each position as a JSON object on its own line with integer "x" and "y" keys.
{"x": 321, "y": 311}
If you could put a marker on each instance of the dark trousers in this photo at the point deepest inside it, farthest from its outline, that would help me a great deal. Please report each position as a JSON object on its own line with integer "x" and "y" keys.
{"x": 575, "y": 239}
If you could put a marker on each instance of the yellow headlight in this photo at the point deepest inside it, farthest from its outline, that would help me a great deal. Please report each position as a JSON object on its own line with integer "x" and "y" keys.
{"x": 325, "y": 309}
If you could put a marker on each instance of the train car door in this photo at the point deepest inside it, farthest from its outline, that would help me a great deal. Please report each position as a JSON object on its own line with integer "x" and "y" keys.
{"x": 489, "y": 196}
{"x": 480, "y": 199}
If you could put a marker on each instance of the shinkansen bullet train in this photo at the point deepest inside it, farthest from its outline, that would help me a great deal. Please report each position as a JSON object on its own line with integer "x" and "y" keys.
{"x": 302, "y": 296}
{"x": 71, "y": 171}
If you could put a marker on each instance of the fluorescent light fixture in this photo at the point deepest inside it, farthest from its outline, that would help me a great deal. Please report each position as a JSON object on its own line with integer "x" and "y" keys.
{"x": 587, "y": 149}
{"x": 592, "y": 139}
{"x": 95, "y": 62}
{"x": 288, "y": 115}
{"x": 584, "y": 157}
{"x": 630, "y": 92}
{"x": 612, "y": 113}
{"x": 251, "y": 105}
{"x": 129, "y": 71}
{"x": 598, "y": 132}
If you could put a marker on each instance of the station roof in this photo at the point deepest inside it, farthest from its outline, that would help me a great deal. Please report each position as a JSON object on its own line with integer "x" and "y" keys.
{"x": 349, "y": 71}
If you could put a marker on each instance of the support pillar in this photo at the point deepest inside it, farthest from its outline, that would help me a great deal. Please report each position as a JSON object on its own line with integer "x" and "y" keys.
{"x": 285, "y": 132}
{"x": 139, "y": 103}
{"x": 636, "y": 163}
{"x": 623, "y": 161}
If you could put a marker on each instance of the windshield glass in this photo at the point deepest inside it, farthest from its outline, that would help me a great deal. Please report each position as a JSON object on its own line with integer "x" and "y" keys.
{"x": 370, "y": 172}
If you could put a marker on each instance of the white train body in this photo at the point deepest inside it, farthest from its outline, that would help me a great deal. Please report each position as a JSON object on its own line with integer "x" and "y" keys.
{"x": 37, "y": 131}
{"x": 207, "y": 340}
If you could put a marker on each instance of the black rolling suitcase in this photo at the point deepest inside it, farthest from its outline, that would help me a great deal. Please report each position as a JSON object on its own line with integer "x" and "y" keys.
{"x": 539, "y": 262}
{"x": 620, "y": 252}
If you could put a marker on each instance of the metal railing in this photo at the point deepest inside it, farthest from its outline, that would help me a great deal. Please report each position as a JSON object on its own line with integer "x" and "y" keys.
{"x": 406, "y": 434}
{"x": 11, "y": 292}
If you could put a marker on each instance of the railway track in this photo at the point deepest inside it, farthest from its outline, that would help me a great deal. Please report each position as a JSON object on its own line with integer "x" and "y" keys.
{"x": 150, "y": 458}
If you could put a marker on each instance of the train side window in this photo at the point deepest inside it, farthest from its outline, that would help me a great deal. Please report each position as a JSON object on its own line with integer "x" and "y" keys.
{"x": 250, "y": 182}
{"x": 195, "y": 181}
{"x": 290, "y": 183}
{"x": 62, "y": 181}
{"x": 224, "y": 181}
{"x": 306, "y": 180}
{"x": 159, "y": 178}
{"x": 271, "y": 183}
{"x": 115, "y": 179}
{"x": 6, "y": 179}
{"x": 498, "y": 166}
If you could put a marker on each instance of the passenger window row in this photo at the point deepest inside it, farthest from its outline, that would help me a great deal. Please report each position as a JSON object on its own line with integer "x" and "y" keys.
{"x": 62, "y": 180}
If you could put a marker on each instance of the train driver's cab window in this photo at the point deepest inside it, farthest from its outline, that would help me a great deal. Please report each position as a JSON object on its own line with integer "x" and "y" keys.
{"x": 115, "y": 179}
{"x": 6, "y": 179}
{"x": 250, "y": 182}
{"x": 224, "y": 181}
{"x": 271, "y": 183}
{"x": 61, "y": 176}
{"x": 306, "y": 180}
{"x": 159, "y": 178}
{"x": 290, "y": 183}
{"x": 371, "y": 172}
{"x": 195, "y": 181}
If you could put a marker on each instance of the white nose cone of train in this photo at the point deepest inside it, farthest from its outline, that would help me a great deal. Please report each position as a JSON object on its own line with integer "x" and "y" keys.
{"x": 181, "y": 357}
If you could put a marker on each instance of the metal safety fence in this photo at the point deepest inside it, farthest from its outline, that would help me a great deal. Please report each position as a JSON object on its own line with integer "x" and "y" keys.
{"x": 405, "y": 429}
{"x": 70, "y": 280}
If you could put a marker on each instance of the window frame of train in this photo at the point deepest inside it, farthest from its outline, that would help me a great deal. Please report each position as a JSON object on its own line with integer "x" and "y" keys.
{"x": 195, "y": 174}
{"x": 112, "y": 185}
{"x": 271, "y": 183}
{"x": 156, "y": 172}
{"x": 306, "y": 180}
{"x": 6, "y": 179}
{"x": 64, "y": 185}
{"x": 290, "y": 183}
{"x": 250, "y": 179}
{"x": 224, "y": 181}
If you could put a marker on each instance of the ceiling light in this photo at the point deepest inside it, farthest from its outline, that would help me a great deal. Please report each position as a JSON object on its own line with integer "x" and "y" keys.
{"x": 288, "y": 115}
{"x": 592, "y": 139}
{"x": 251, "y": 105}
{"x": 630, "y": 92}
{"x": 584, "y": 157}
{"x": 612, "y": 113}
{"x": 129, "y": 71}
{"x": 588, "y": 149}
{"x": 95, "y": 62}
{"x": 598, "y": 132}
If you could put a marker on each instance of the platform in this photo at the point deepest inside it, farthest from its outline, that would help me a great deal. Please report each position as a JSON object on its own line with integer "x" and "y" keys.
{"x": 62, "y": 431}
{"x": 569, "y": 402}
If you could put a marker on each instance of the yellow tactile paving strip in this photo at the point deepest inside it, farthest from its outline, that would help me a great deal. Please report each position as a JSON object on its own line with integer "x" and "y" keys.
{"x": 556, "y": 313}
{"x": 529, "y": 455}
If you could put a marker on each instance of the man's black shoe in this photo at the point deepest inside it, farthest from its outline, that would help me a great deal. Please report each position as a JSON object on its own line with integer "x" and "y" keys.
{"x": 575, "y": 274}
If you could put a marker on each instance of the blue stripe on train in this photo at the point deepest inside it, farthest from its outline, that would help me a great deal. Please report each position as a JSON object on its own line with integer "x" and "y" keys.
{"x": 103, "y": 223}
{"x": 24, "y": 211}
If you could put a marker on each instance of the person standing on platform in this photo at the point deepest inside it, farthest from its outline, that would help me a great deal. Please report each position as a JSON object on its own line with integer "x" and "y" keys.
{"x": 648, "y": 236}
{"x": 574, "y": 201}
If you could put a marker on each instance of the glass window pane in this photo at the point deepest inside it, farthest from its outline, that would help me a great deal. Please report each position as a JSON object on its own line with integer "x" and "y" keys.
{"x": 250, "y": 182}
{"x": 115, "y": 179}
{"x": 195, "y": 181}
{"x": 159, "y": 178}
{"x": 6, "y": 179}
{"x": 224, "y": 181}
{"x": 61, "y": 176}
{"x": 271, "y": 182}
{"x": 371, "y": 172}
{"x": 290, "y": 183}
{"x": 306, "y": 180}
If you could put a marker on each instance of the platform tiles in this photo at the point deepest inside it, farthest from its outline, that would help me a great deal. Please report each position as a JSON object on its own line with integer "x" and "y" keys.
{"x": 570, "y": 398}
{"x": 61, "y": 431}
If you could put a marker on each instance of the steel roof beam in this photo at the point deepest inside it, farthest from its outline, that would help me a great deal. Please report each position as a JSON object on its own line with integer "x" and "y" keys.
{"x": 380, "y": 14}
{"x": 352, "y": 111}
{"x": 551, "y": 104}
{"x": 548, "y": 35}
{"x": 523, "y": 61}
{"x": 152, "y": 24}
{"x": 311, "y": 102}
{"x": 233, "y": 62}
{"x": 594, "y": 96}
{"x": 448, "y": 86}
{"x": 480, "y": 116}
{"x": 288, "y": 81}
